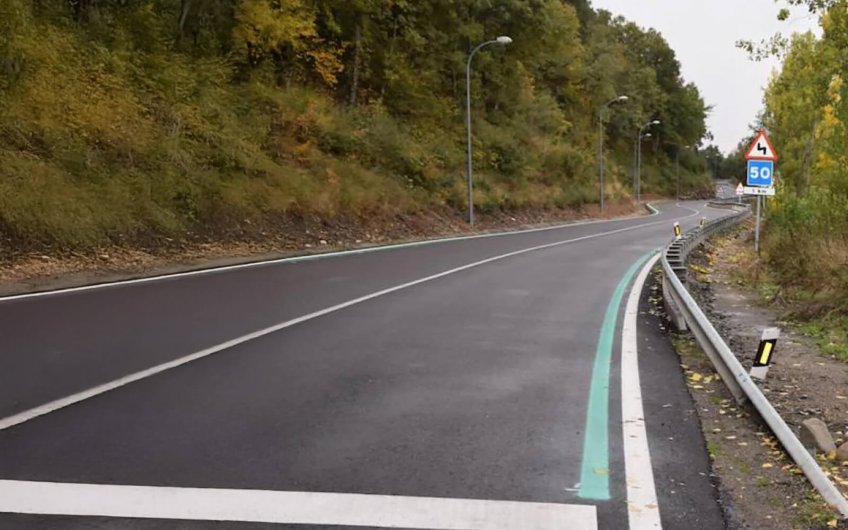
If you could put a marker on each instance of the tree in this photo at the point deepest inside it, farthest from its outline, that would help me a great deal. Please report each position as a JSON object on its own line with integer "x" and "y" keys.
{"x": 286, "y": 33}
{"x": 715, "y": 161}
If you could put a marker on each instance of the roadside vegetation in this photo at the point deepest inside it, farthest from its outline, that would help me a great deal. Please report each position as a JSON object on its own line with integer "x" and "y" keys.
{"x": 130, "y": 121}
{"x": 751, "y": 467}
{"x": 805, "y": 244}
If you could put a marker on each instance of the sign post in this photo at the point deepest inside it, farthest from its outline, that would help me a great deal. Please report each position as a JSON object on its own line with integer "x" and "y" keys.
{"x": 760, "y": 178}
{"x": 765, "y": 353}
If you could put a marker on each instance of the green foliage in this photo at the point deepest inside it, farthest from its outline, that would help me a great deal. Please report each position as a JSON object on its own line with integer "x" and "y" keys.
{"x": 778, "y": 44}
{"x": 735, "y": 166}
{"x": 124, "y": 121}
{"x": 807, "y": 245}
{"x": 806, "y": 111}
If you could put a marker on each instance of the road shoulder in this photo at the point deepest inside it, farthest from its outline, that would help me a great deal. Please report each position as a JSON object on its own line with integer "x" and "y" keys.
{"x": 685, "y": 487}
{"x": 35, "y": 272}
{"x": 761, "y": 486}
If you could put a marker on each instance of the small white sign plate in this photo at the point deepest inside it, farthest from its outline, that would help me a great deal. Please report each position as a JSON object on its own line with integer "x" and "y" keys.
{"x": 754, "y": 190}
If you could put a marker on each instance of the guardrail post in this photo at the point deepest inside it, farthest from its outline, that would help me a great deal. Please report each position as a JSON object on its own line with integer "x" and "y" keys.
{"x": 672, "y": 309}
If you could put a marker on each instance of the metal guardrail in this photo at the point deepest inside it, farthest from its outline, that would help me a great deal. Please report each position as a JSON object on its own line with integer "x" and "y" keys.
{"x": 728, "y": 201}
{"x": 686, "y": 314}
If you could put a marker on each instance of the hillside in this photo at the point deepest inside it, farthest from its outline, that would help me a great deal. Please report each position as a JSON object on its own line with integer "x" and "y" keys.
{"x": 135, "y": 122}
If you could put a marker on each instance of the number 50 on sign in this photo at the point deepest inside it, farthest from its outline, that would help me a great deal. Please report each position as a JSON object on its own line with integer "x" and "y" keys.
{"x": 760, "y": 173}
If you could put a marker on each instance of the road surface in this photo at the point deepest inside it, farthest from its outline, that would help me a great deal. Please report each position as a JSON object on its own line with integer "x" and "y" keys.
{"x": 473, "y": 383}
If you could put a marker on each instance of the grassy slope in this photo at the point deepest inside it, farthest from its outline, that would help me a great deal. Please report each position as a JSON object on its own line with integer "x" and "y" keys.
{"x": 102, "y": 146}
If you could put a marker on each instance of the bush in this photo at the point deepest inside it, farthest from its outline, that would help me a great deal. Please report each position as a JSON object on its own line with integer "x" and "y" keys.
{"x": 806, "y": 243}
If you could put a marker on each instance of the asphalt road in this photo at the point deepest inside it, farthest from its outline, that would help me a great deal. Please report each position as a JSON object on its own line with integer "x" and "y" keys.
{"x": 473, "y": 384}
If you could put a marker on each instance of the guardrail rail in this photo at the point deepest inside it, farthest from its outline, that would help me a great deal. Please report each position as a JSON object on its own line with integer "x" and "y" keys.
{"x": 686, "y": 314}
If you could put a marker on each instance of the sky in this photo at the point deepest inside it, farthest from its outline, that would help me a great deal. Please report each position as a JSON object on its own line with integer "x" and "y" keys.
{"x": 703, "y": 34}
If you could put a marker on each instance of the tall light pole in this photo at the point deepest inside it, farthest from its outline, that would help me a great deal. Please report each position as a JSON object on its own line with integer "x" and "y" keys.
{"x": 601, "y": 167}
{"x": 637, "y": 171}
{"x": 503, "y": 40}
{"x": 637, "y": 166}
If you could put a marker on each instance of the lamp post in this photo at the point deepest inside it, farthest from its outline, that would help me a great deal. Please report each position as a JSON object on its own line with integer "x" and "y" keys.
{"x": 502, "y": 40}
{"x": 637, "y": 171}
{"x": 601, "y": 165}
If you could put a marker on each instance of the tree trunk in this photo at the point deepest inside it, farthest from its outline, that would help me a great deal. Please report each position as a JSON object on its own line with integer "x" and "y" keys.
{"x": 357, "y": 60}
{"x": 390, "y": 56}
{"x": 82, "y": 9}
{"x": 809, "y": 156}
{"x": 185, "y": 8}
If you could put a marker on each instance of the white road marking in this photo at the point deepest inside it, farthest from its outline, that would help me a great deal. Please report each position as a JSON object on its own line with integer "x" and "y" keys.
{"x": 289, "y": 507}
{"x": 643, "y": 510}
{"x": 61, "y": 403}
{"x": 310, "y": 257}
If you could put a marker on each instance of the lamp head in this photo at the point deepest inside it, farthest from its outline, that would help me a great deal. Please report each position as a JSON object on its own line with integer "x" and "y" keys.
{"x": 503, "y": 39}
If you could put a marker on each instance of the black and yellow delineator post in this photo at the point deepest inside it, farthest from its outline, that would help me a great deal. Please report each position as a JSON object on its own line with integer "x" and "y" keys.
{"x": 703, "y": 221}
{"x": 676, "y": 230}
{"x": 765, "y": 353}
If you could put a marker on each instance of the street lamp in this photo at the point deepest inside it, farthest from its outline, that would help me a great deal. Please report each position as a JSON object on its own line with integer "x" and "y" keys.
{"x": 601, "y": 168}
{"x": 502, "y": 40}
{"x": 637, "y": 172}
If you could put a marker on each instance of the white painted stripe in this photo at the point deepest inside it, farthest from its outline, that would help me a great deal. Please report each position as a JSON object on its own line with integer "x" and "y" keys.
{"x": 321, "y": 255}
{"x": 643, "y": 510}
{"x": 61, "y": 403}
{"x": 289, "y": 507}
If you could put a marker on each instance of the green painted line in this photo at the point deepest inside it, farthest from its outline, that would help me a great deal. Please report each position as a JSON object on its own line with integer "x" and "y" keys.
{"x": 594, "y": 471}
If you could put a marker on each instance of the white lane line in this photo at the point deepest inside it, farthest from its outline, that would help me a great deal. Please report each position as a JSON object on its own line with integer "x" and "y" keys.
{"x": 61, "y": 403}
{"x": 310, "y": 257}
{"x": 643, "y": 510}
{"x": 289, "y": 507}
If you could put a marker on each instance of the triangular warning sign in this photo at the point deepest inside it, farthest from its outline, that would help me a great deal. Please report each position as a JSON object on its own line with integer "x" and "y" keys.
{"x": 740, "y": 189}
{"x": 761, "y": 148}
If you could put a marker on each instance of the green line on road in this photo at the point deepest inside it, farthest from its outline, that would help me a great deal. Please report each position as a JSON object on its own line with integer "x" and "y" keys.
{"x": 594, "y": 472}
